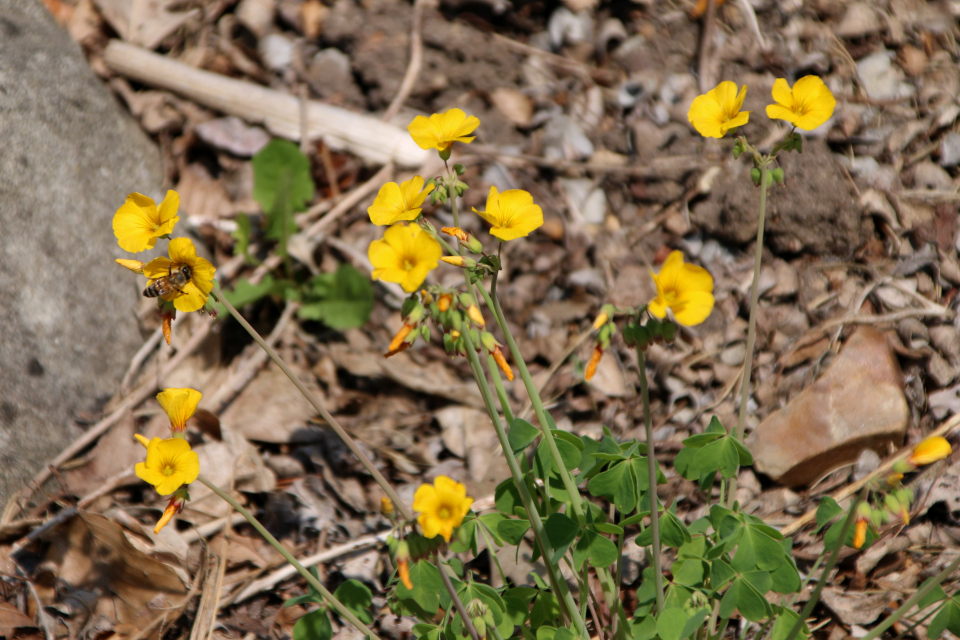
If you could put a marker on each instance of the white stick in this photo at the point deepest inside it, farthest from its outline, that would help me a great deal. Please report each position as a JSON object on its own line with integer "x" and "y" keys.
{"x": 367, "y": 137}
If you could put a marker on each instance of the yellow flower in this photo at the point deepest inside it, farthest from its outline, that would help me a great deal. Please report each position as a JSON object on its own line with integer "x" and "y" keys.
{"x": 442, "y": 506}
{"x": 399, "y": 202}
{"x": 170, "y": 464}
{"x": 807, "y": 105}
{"x": 179, "y": 405}
{"x": 441, "y": 130}
{"x": 192, "y": 295}
{"x": 138, "y": 223}
{"x": 930, "y": 450}
{"x": 405, "y": 255}
{"x": 512, "y": 213}
{"x": 718, "y": 110}
{"x": 685, "y": 288}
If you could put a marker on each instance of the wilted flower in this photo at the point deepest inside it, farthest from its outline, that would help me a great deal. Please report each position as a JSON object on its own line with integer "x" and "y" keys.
{"x": 441, "y": 130}
{"x": 186, "y": 296}
{"x": 512, "y": 213}
{"x": 177, "y": 501}
{"x": 685, "y": 288}
{"x": 405, "y": 255}
{"x": 138, "y": 222}
{"x": 399, "y": 202}
{"x": 808, "y": 104}
{"x": 718, "y": 110}
{"x": 442, "y": 507}
{"x": 594, "y": 361}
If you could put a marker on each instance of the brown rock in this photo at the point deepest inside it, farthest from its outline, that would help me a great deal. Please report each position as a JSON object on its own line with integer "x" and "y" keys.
{"x": 857, "y": 404}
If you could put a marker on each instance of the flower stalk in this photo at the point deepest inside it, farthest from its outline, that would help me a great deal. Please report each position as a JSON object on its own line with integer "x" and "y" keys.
{"x": 335, "y": 604}
{"x": 652, "y": 467}
{"x": 313, "y": 400}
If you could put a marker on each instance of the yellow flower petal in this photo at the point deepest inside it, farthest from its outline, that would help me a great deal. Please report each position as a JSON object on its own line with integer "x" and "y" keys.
{"x": 685, "y": 289}
{"x": 512, "y": 214}
{"x": 441, "y": 506}
{"x": 441, "y": 130}
{"x": 808, "y": 104}
{"x": 399, "y": 202}
{"x": 718, "y": 110}
{"x": 170, "y": 464}
{"x": 138, "y": 223}
{"x": 179, "y": 405}
{"x": 930, "y": 450}
{"x": 194, "y": 294}
{"x": 405, "y": 255}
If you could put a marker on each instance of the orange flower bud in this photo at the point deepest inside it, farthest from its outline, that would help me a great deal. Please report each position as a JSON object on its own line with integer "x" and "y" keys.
{"x": 177, "y": 501}
{"x": 474, "y": 313}
{"x": 444, "y": 302}
{"x": 594, "y": 361}
{"x": 399, "y": 339}
{"x": 502, "y": 363}
{"x": 929, "y": 451}
{"x": 167, "y": 328}
{"x": 860, "y": 533}
{"x": 386, "y": 506}
{"x": 403, "y": 570}
{"x": 894, "y": 479}
{"x": 600, "y": 321}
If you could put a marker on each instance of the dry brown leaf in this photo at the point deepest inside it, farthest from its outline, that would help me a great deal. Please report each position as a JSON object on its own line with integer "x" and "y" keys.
{"x": 271, "y": 409}
{"x": 12, "y": 619}
{"x": 116, "y": 451}
{"x": 855, "y": 607}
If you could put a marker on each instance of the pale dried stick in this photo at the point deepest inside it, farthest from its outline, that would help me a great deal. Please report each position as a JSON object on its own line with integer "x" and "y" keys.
{"x": 137, "y": 361}
{"x": 288, "y": 571}
{"x": 849, "y": 490}
{"x": 413, "y": 67}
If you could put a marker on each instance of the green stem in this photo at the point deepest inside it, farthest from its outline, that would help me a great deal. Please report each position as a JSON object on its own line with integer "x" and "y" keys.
{"x": 752, "y": 323}
{"x": 498, "y": 385}
{"x": 457, "y": 603}
{"x": 921, "y": 593}
{"x": 312, "y": 399}
{"x": 619, "y": 630}
{"x": 557, "y": 582}
{"x": 344, "y": 613}
{"x": 831, "y": 562}
{"x": 652, "y": 467}
{"x": 494, "y": 304}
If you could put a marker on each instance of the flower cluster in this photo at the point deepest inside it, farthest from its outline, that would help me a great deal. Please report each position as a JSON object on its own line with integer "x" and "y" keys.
{"x": 892, "y": 501}
{"x": 183, "y": 281}
{"x": 806, "y": 105}
{"x": 686, "y": 290}
{"x": 170, "y": 464}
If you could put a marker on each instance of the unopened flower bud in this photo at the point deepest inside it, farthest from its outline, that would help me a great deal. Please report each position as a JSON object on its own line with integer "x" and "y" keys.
{"x": 755, "y": 176}
{"x": 502, "y": 363}
{"x": 425, "y": 332}
{"x": 594, "y": 361}
{"x": 445, "y": 300}
{"x": 488, "y": 341}
{"x": 459, "y": 169}
{"x": 600, "y": 320}
{"x": 473, "y": 312}
{"x": 777, "y": 175}
{"x": 399, "y": 342}
{"x": 460, "y": 261}
{"x": 425, "y": 297}
{"x": 669, "y": 331}
{"x": 929, "y": 451}
{"x": 134, "y": 265}
{"x": 386, "y": 506}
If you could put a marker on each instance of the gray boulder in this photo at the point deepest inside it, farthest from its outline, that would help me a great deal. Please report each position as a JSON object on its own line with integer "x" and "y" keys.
{"x": 70, "y": 156}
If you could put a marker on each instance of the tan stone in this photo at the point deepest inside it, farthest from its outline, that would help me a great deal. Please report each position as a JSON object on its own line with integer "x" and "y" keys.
{"x": 857, "y": 404}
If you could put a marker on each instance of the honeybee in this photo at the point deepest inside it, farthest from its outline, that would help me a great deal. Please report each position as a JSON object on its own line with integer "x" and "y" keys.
{"x": 175, "y": 280}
